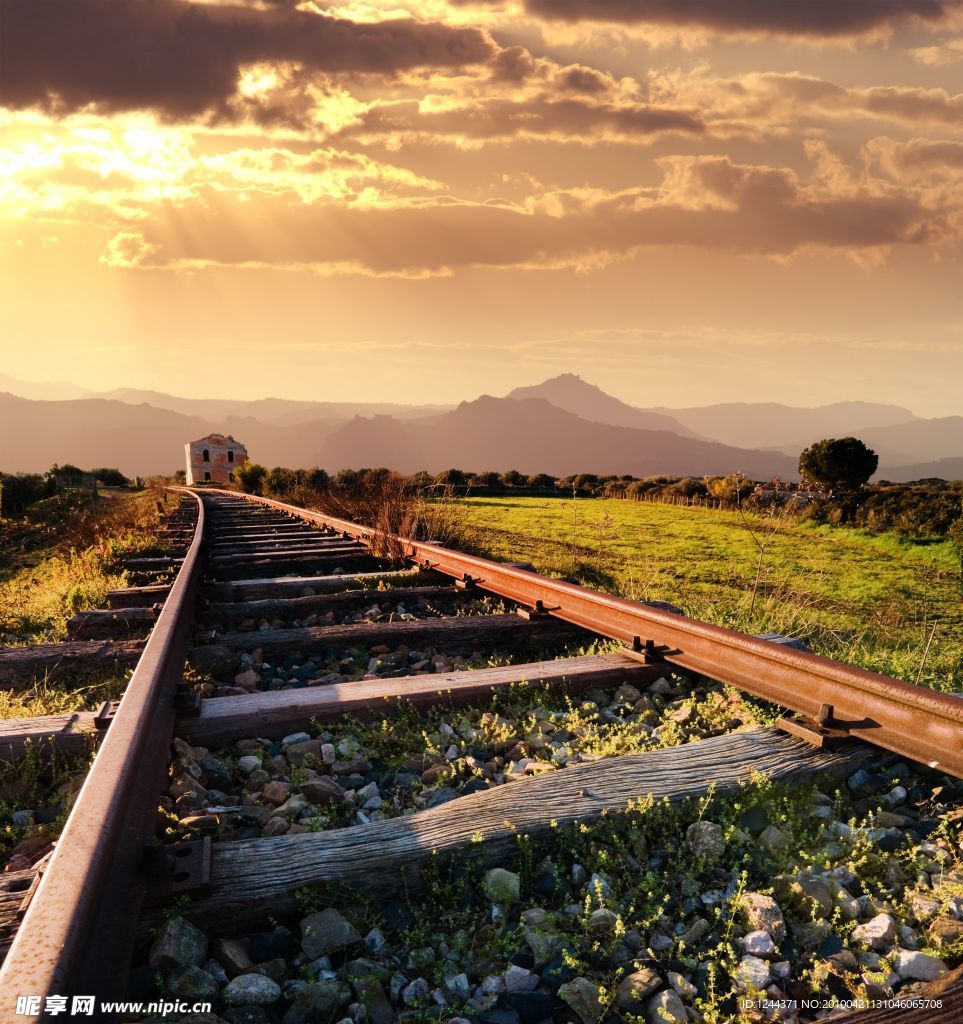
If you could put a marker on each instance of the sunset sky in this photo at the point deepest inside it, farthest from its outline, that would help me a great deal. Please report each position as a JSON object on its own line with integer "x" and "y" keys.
{"x": 684, "y": 201}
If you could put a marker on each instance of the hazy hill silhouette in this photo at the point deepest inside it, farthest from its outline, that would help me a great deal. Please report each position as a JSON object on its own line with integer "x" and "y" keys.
{"x": 944, "y": 469}
{"x": 278, "y": 411}
{"x": 47, "y": 390}
{"x": 920, "y": 440}
{"x": 532, "y": 436}
{"x": 137, "y": 439}
{"x": 569, "y": 392}
{"x": 748, "y": 424}
{"x": 561, "y": 426}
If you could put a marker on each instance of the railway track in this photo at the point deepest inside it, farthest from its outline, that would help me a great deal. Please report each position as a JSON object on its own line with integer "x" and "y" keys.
{"x": 293, "y": 624}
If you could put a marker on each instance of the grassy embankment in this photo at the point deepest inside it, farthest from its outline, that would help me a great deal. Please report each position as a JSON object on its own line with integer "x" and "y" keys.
{"x": 870, "y": 600}
{"x": 60, "y": 560}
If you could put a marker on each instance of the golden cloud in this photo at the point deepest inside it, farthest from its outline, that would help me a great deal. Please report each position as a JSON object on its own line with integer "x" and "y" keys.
{"x": 765, "y": 99}
{"x": 136, "y": 166}
{"x": 708, "y": 202}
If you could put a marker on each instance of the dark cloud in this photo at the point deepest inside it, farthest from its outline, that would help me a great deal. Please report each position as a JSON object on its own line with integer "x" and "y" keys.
{"x": 513, "y": 64}
{"x": 516, "y": 65}
{"x": 913, "y": 105}
{"x": 183, "y": 58}
{"x": 919, "y": 157}
{"x": 499, "y": 119}
{"x": 792, "y": 17}
{"x": 578, "y": 78}
{"x": 920, "y": 153}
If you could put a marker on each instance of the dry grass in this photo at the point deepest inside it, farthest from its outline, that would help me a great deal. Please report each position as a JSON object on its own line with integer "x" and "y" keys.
{"x": 60, "y": 698}
{"x": 79, "y": 562}
{"x": 395, "y": 508}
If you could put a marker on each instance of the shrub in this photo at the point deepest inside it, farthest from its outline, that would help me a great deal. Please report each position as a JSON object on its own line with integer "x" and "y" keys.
{"x": 688, "y": 487}
{"x": 250, "y": 477}
{"x": 730, "y": 488}
{"x": 910, "y": 512}
{"x": 18, "y": 491}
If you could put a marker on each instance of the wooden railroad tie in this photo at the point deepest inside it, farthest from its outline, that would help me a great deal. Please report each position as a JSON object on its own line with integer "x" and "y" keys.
{"x": 383, "y": 858}
{"x": 22, "y": 666}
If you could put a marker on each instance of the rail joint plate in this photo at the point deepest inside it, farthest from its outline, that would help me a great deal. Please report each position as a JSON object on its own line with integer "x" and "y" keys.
{"x": 105, "y": 715}
{"x": 178, "y": 870}
{"x": 187, "y": 701}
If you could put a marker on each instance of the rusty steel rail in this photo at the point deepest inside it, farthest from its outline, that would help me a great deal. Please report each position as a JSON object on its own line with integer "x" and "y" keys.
{"x": 78, "y": 934}
{"x": 835, "y": 699}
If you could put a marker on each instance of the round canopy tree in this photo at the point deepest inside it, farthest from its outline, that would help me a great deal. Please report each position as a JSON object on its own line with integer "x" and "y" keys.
{"x": 838, "y": 464}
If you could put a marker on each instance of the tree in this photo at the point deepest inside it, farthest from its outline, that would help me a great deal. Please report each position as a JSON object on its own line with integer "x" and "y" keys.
{"x": 487, "y": 479}
{"x": 838, "y": 464}
{"x": 67, "y": 470}
{"x": 18, "y": 491}
{"x": 317, "y": 479}
{"x": 450, "y": 478}
{"x": 374, "y": 479}
{"x": 347, "y": 480}
{"x": 109, "y": 477}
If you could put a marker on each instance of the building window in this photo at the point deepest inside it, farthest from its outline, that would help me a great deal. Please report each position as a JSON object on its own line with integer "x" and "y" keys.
{"x": 230, "y": 477}
{"x": 207, "y": 476}
{"x": 230, "y": 456}
{"x": 206, "y": 456}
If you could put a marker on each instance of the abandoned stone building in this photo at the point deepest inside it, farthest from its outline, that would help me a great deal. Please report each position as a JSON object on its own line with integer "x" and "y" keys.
{"x": 213, "y": 459}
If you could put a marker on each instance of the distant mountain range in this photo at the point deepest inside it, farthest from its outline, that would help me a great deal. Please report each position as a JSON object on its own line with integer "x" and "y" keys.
{"x": 561, "y": 426}
{"x": 48, "y": 391}
{"x": 940, "y": 438}
{"x": 575, "y": 395}
{"x": 280, "y": 411}
{"x": 785, "y": 426}
{"x": 532, "y": 435}
{"x": 137, "y": 439}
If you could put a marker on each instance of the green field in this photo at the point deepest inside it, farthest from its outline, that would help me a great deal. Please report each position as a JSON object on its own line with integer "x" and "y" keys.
{"x": 871, "y": 600}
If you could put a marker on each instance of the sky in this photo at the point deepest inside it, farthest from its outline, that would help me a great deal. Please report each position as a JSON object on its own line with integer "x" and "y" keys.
{"x": 684, "y": 201}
